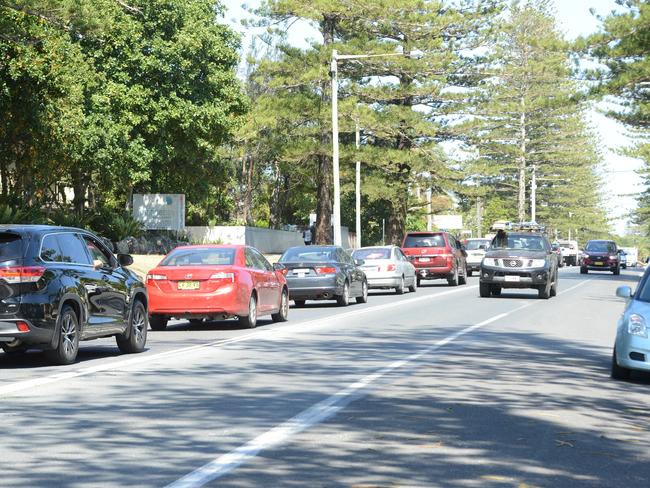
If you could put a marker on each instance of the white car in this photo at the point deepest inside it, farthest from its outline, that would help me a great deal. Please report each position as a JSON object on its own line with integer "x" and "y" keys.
{"x": 387, "y": 267}
{"x": 476, "y": 249}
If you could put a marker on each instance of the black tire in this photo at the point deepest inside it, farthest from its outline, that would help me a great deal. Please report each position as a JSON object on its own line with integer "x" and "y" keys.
{"x": 469, "y": 273}
{"x": 299, "y": 303}
{"x": 157, "y": 322}
{"x": 484, "y": 290}
{"x": 453, "y": 280}
{"x": 583, "y": 270}
{"x": 544, "y": 291}
{"x": 68, "y": 332}
{"x": 250, "y": 321}
{"x": 344, "y": 299}
{"x": 495, "y": 290}
{"x": 413, "y": 288}
{"x": 553, "y": 291}
{"x": 364, "y": 293}
{"x": 399, "y": 290}
{"x": 619, "y": 372}
{"x": 462, "y": 279}
{"x": 282, "y": 314}
{"x": 616, "y": 272}
{"x": 418, "y": 282}
{"x": 196, "y": 322}
{"x": 135, "y": 337}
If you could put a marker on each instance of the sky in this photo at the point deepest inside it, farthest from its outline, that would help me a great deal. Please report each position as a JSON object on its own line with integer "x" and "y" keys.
{"x": 574, "y": 19}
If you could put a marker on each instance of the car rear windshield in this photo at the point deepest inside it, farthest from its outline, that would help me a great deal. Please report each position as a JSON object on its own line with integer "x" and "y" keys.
{"x": 475, "y": 245}
{"x": 519, "y": 242}
{"x": 200, "y": 257}
{"x": 424, "y": 240}
{"x": 370, "y": 254}
{"x": 309, "y": 254}
{"x": 600, "y": 246}
{"x": 11, "y": 247}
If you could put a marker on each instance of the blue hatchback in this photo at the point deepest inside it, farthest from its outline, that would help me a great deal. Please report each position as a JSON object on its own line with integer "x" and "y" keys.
{"x": 632, "y": 346}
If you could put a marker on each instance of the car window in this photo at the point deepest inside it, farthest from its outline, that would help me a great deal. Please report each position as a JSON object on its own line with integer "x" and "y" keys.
{"x": 97, "y": 253}
{"x": 73, "y": 249}
{"x": 600, "y": 246}
{"x": 526, "y": 242}
{"x": 401, "y": 255}
{"x": 200, "y": 257}
{"x": 476, "y": 245}
{"x": 309, "y": 254}
{"x": 260, "y": 260}
{"x": 50, "y": 250}
{"x": 10, "y": 246}
{"x": 424, "y": 240}
{"x": 370, "y": 254}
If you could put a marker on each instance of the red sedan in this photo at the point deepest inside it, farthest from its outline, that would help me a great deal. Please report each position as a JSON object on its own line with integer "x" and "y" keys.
{"x": 216, "y": 282}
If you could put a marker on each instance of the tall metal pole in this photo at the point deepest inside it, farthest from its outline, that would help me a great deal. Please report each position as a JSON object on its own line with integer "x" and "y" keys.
{"x": 479, "y": 220}
{"x": 358, "y": 185}
{"x": 336, "y": 218}
{"x": 429, "y": 210}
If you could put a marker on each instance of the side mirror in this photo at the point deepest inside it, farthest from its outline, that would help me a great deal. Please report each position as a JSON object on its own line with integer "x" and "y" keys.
{"x": 359, "y": 262}
{"x": 125, "y": 259}
{"x": 624, "y": 292}
{"x": 278, "y": 266}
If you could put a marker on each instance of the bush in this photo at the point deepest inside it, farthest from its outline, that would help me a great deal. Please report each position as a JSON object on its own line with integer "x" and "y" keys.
{"x": 12, "y": 215}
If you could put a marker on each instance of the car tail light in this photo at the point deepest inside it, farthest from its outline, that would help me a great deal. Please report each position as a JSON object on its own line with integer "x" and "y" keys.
{"x": 155, "y": 277}
{"x": 15, "y": 275}
{"x": 390, "y": 267}
{"x": 325, "y": 270}
{"x": 22, "y": 326}
{"x": 223, "y": 276}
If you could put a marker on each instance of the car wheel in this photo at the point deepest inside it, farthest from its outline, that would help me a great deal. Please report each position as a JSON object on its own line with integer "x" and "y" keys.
{"x": 364, "y": 293}
{"x": 484, "y": 290}
{"x": 414, "y": 286}
{"x": 495, "y": 290}
{"x": 469, "y": 273}
{"x": 418, "y": 282}
{"x": 400, "y": 288}
{"x": 583, "y": 270}
{"x": 250, "y": 321}
{"x": 619, "y": 372}
{"x": 463, "y": 279}
{"x": 453, "y": 279}
{"x": 553, "y": 291}
{"x": 617, "y": 271}
{"x": 283, "y": 313}
{"x": 544, "y": 291}
{"x": 344, "y": 299}
{"x": 299, "y": 303}
{"x": 157, "y": 322}
{"x": 135, "y": 337}
{"x": 68, "y": 344}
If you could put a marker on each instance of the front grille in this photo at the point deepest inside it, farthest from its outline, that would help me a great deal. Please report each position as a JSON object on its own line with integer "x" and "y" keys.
{"x": 513, "y": 263}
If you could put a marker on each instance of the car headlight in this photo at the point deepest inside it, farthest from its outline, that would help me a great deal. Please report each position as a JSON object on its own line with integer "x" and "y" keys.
{"x": 613, "y": 256}
{"x": 537, "y": 263}
{"x": 636, "y": 325}
{"x": 490, "y": 262}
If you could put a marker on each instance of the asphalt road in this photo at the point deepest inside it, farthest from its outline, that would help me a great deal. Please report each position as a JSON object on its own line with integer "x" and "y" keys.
{"x": 434, "y": 388}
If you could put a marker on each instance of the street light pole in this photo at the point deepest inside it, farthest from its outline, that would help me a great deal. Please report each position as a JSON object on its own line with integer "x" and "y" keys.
{"x": 336, "y": 221}
{"x": 533, "y": 195}
{"x": 358, "y": 185}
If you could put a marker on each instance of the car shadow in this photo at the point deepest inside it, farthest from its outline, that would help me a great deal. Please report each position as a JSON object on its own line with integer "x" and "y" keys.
{"x": 34, "y": 358}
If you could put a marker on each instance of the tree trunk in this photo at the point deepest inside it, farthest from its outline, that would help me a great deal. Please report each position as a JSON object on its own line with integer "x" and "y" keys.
{"x": 79, "y": 188}
{"x": 324, "y": 175}
{"x": 521, "y": 200}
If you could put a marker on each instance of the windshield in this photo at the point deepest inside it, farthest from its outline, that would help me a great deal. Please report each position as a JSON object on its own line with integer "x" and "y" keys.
{"x": 424, "y": 240}
{"x": 370, "y": 254}
{"x": 309, "y": 254}
{"x": 519, "y": 241}
{"x": 474, "y": 245}
{"x": 200, "y": 257}
{"x": 600, "y": 246}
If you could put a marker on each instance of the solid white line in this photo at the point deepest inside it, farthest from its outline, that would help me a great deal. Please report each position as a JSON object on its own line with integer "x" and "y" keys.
{"x": 260, "y": 335}
{"x": 319, "y": 412}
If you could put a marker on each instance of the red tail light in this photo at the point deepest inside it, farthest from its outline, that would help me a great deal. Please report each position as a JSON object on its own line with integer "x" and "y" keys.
{"x": 22, "y": 326}
{"x": 155, "y": 277}
{"x": 223, "y": 276}
{"x": 325, "y": 270}
{"x": 390, "y": 267}
{"x": 15, "y": 275}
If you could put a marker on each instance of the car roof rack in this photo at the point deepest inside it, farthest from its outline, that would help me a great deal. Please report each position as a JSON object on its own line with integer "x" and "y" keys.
{"x": 518, "y": 226}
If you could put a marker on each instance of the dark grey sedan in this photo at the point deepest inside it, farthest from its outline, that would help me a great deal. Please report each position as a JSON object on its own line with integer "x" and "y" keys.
{"x": 323, "y": 273}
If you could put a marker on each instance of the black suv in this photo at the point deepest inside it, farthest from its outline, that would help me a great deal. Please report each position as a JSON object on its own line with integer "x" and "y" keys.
{"x": 61, "y": 285}
{"x": 519, "y": 260}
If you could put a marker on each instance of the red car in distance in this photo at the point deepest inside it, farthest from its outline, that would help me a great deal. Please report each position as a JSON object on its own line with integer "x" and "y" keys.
{"x": 215, "y": 282}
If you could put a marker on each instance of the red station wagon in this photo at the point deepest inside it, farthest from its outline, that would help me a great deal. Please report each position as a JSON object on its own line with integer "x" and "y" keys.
{"x": 436, "y": 255}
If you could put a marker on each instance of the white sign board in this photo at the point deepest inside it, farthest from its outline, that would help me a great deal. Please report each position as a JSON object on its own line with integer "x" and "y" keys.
{"x": 160, "y": 211}
{"x": 448, "y": 222}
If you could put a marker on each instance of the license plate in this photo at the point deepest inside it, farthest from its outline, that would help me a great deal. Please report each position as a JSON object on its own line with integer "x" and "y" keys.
{"x": 513, "y": 279}
{"x": 424, "y": 260}
{"x": 188, "y": 285}
{"x": 599, "y": 263}
{"x": 300, "y": 272}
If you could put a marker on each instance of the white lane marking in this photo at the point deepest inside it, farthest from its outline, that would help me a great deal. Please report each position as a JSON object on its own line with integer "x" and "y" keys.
{"x": 263, "y": 334}
{"x": 319, "y": 412}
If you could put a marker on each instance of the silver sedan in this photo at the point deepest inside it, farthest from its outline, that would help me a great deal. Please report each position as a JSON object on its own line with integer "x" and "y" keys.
{"x": 387, "y": 267}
